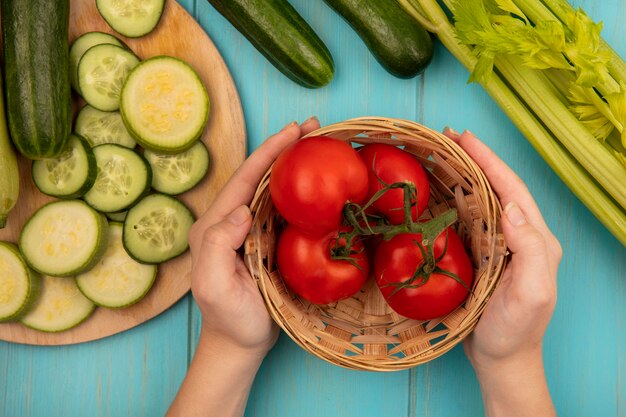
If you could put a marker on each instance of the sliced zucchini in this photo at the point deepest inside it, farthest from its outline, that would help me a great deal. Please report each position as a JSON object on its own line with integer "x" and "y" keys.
{"x": 176, "y": 173}
{"x": 120, "y": 216}
{"x": 117, "y": 280}
{"x": 100, "y": 127}
{"x": 102, "y": 71}
{"x": 81, "y": 45}
{"x": 71, "y": 174}
{"x": 19, "y": 285}
{"x": 156, "y": 229}
{"x": 164, "y": 104}
{"x": 64, "y": 238}
{"x": 131, "y": 18}
{"x": 60, "y": 307}
{"x": 123, "y": 178}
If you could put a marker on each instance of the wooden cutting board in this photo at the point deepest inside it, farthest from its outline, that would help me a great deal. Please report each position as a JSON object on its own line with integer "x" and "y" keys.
{"x": 179, "y": 35}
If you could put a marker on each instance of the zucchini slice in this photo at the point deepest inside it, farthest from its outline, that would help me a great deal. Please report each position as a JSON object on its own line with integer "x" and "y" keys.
{"x": 123, "y": 178}
{"x": 64, "y": 238}
{"x": 156, "y": 229}
{"x": 117, "y": 280}
{"x": 131, "y": 18}
{"x": 99, "y": 127}
{"x": 60, "y": 307}
{"x": 102, "y": 71}
{"x": 70, "y": 175}
{"x": 81, "y": 45}
{"x": 164, "y": 104}
{"x": 19, "y": 285}
{"x": 176, "y": 173}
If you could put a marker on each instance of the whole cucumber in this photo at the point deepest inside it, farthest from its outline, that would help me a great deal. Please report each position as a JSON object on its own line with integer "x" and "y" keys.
{"x": 9, "y": 174}
{"x": 36, "y": 70}
{"x": 276, "y": 29}
{"x": 395, "y": 39}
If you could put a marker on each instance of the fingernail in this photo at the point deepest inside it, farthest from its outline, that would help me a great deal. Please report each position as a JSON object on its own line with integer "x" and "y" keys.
{"x": 287, "y": 126}
{"x": 239, "y": 216}
{"x": 449, "y": 131}
{"x": 514, "y": 214}
{"x": 310, "y": 119}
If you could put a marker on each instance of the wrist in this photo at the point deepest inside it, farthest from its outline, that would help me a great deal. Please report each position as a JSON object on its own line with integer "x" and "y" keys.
{"x": 216, "y": 346}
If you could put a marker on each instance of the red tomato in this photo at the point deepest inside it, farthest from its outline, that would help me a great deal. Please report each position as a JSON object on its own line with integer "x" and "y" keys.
{"x": 313, "y": 179}
{"x": 391, "y": 164}
{"x": 397, "y": 260}
{"x": 305, "y": 263}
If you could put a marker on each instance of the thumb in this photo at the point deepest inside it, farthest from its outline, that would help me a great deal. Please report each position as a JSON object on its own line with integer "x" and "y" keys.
{"x": 217, "y": 256}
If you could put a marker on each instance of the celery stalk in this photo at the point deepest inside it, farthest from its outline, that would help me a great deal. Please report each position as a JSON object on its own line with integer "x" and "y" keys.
{"x": 565, "y": 166}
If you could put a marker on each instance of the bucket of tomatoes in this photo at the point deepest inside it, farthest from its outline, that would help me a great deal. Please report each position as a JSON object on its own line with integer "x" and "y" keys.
{"x": 375, "y": 243}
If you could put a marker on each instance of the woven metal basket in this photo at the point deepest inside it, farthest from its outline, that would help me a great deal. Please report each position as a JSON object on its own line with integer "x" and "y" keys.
{"x": 362, "y": 332}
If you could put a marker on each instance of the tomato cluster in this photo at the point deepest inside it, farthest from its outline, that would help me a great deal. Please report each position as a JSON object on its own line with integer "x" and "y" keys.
{"x": 347, "y": 209}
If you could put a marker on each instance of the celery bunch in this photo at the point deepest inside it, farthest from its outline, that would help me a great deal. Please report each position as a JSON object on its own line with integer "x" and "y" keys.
{"x": 548, "y": 68}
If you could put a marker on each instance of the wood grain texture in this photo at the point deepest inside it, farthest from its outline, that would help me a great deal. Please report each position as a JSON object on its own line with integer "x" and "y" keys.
{"x": 177, "y": 35}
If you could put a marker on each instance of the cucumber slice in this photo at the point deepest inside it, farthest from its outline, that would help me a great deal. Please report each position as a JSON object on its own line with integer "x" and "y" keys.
{"x": 19, "y": 285}
{"x": 99, "y": 127}
{"x": 120, "y": 216}
{"x": 70, "y": 175}
{"x": 61, "y": 306}
{"x": 117, "y": 280}
{"x": 64, "y": 238}
{"x": 102, "y": 72}
{"x": 164, "y": 104}
{"x": 124, "y": 177}
{"x": 176, "y": 173}
{"x": 131, "y": 18}
{"x": 156, "y": 229}
{"x": 81, "y": 45}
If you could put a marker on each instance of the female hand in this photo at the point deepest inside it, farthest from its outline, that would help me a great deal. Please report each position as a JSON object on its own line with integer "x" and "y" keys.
{"x": 507, "y": 341}
{"x": 229, "y": 300}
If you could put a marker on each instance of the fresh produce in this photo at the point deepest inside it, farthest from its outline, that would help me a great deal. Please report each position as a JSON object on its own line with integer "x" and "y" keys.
{"x": 321, "y": 253}
{"x": 64, "y": 238}
{"x": 548, "y": 68}
{"x": 313, "y": 179}
{"x": 315, "y": 268}
{"x": 81, "y": 45}
{"x": 165, "y": 105}
{"x": 35, "y": 45}
{"x": 131, "y": 18}
{"x": 102, "y": 71}
{"x": 99, "y": 127}
{"x": 69, "y": 175}
{"x": 123, "y": 178}
{"x": 156, "y": 229}
{"x": 421, "y": 284}
{"x": 117, "y": 280}
{"x": 276, "y": 29}
{"x": 60, "y": 306}
{"x": 176, "y": 173}
{"x": 386, "y": 165}
{"x": 399, "y": 43}
{"x": 9, "y": 174}
{"x": 19, "y": 285}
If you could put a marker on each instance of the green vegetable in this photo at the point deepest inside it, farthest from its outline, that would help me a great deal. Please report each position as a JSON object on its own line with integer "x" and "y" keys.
{"x": 276, "y": 29}
{"x": 397, "y": 41}
{"x": 9, "y": 174}
{"x": 19, "y": 285}
{"x": 36, "y": 54}
{"x": 557, "y": 80}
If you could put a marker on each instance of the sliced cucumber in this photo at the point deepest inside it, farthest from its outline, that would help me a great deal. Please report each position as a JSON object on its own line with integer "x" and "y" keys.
{"x": 164, "y": 104}
{"x": 70, "y": 175}
{"x": 176, "y": 173}
{"x": 117, "y": 280}
{"x": 120, "y": 216}
{"x": 124, "y": 177}
{"x": 81, "y": 45}
{"x": 100, "y": 127}
{"x": 156, "y": 229}
{"x": 102, "y": 72}
{"x": 64, "y": 238}
{"x": 61, "y": 306}
{"x": 131, "y": 18}
{"x": 19, "y": 285}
